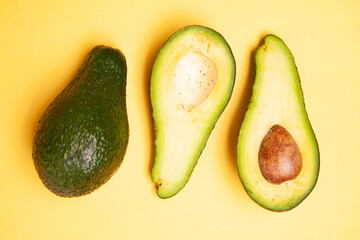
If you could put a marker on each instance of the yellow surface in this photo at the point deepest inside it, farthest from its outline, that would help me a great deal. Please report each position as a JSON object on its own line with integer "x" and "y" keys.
{"x": 42, "y": 43}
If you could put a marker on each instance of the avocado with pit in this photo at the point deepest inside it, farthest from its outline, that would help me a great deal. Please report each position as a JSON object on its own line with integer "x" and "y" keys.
{"x": 191, "y": 83}
{"x": 82, "y": 137}
{"x": 277, "y": 152}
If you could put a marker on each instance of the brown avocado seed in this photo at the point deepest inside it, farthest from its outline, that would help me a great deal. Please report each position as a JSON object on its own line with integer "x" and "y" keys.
{"x": 279, "y": 156}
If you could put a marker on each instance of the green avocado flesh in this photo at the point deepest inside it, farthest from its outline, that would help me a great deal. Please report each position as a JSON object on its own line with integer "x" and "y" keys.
{"x": 191, "y": 83}
{"x": 276, "y": 100}
{"x": 82, "y": 137}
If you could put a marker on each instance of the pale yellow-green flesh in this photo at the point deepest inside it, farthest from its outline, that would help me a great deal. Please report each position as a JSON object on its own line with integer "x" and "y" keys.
{"x": 181, "y": 132}
{"x": 276, "y": 99}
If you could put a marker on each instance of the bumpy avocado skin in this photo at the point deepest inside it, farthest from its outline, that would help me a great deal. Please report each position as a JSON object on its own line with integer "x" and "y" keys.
{"x": 82, "y": 137}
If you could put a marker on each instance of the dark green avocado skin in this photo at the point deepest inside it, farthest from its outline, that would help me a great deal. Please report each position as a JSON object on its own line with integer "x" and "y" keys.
{"x": 82, "y": 137}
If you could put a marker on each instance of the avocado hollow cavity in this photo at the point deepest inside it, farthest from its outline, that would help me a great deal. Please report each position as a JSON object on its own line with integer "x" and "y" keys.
{"x": 194, "y": 79}
{"x": 279, "y": 156}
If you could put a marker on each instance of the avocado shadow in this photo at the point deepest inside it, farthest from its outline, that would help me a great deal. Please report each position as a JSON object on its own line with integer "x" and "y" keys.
{"x": 240, "y": 111}
{"x": 242, "y": 106}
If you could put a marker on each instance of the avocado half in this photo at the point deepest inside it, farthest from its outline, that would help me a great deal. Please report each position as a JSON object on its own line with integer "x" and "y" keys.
{"x": 277, "y": 152}
{"x": 191, "y": 83}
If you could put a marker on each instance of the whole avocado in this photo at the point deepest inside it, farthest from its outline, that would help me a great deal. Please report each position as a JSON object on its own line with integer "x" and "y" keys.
{"x": 82, "y": 137}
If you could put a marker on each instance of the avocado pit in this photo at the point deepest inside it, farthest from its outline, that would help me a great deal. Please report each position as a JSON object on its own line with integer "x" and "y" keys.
{"x": 279, "y": 156}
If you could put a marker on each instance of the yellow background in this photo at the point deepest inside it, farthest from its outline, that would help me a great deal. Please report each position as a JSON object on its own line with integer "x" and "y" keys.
{"x": 42, "y": 44}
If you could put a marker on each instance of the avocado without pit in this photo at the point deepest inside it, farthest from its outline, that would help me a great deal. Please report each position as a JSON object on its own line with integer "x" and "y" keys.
{"x": 277, "y": 151}
{"x": 191, "y": 83}
{"x": 81, "y": 138}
